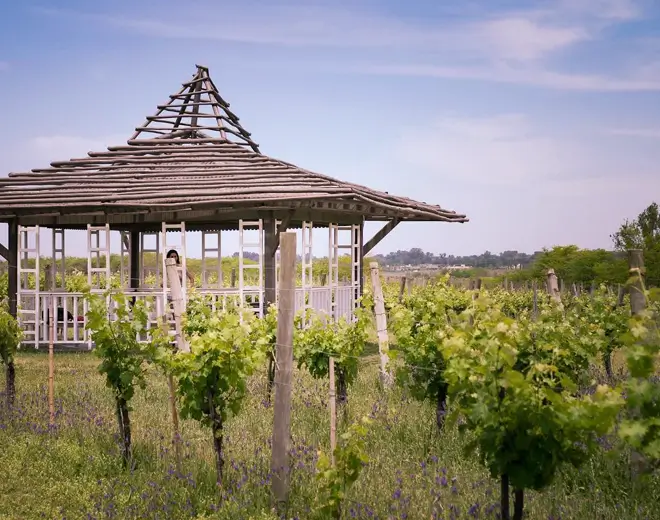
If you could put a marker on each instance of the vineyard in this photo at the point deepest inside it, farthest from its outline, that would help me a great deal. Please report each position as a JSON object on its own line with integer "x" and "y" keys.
{"x": 486, "y": 404}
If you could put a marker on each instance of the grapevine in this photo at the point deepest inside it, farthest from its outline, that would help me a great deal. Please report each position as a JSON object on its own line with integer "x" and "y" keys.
{"x": 212, "y": 377}
{"x": 518, "y": 397}
{"x": 10, "y": 338}
{"x": 115, "y": 328}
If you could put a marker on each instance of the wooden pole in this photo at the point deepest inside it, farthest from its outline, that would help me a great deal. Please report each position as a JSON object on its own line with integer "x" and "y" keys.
{"x": 636, "y": 284}
{"x": 553, "y": 286}
{"x": 284, "y": 364}
{"x": 51, "y": 362}
{"x": 637, "y": 306}
{"x": 402, "y": 288}
{"x": 333, "y": 412}
{"x": 177, "y": 302}
{"x": 175, "y": 423}
{"x": 12, "y": 270}
{"x": 381, "y": 324}
{"x": 179, "y": 344}
{"x": 176, "y": 435}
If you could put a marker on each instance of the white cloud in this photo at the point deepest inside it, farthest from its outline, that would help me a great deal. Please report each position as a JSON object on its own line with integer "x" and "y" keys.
{"x": 503, "y": 46}
{"x": 533, "y": 76}
{"x": 511, "y": 150}
{"x": 500, "y": 150}
{"x": 652, "y": 133}
{"x": 524, "y": 188}
{"x": 617, "y": 10}
{"x": 524, "y": 35}
{"x": 521, "y": 38}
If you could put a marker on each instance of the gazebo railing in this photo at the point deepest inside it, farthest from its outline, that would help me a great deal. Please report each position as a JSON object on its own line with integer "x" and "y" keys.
{"x": 71, "y": 309}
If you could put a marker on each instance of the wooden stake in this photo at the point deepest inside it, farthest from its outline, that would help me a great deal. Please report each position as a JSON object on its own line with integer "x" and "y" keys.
{"x": 333, "y": 412}
{"x": 552, "y": 286}
{"x": 177, "y": 302}
{"x": 637, "y": 306}
{"x": 636, "y": 284}
{"x": 180, "y": 344}
{"x": 381, "y": 325}
{"x": 402, "y": 288}
{"x": 51, "y": 362}
{"x": 176, "y": 435}
{"x": 284, "y": 364}
{"x": 175, "y": 423}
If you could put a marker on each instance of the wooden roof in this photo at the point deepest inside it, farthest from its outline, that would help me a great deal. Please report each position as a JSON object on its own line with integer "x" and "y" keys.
{"x": 193, "y": 159}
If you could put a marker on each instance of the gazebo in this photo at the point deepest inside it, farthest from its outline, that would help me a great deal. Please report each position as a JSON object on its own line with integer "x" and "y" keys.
{"x": 191, "y": 167}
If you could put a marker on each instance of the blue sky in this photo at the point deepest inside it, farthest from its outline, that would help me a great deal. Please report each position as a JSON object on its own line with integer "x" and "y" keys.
{"x": 540, "y": 120}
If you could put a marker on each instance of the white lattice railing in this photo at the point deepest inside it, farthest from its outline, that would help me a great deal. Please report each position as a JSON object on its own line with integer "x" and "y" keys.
{"x": 71, "y": 310}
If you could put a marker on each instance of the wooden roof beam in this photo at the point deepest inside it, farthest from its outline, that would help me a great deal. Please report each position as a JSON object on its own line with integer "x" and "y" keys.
{"x": 384, "y": 231}
{"x": 4, "y": 252}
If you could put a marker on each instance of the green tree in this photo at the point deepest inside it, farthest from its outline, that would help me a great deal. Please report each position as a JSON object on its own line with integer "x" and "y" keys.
{"x": 643, "y": 233}
{"x": 586, "y": 266}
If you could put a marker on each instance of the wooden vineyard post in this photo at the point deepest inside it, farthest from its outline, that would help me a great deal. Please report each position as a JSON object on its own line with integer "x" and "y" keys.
{"x": 284, "y": 363}
{"x": 552, "y": 286}
{"x": 233, "y": 277}
{"x": 636, "y": 282}
{"x": 177, "y": 302}
{"x": 51, "y": 362}
{"x": 333, "y": 411}
{"x": 180, "y": 344}
{"x": 381, "y": 325}
{"x": 637, "y": 305}
{"x": 402, "y": 288}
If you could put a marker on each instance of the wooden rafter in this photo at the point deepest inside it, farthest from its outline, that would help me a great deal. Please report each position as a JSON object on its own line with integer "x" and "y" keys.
{"x": 196, "y": 107}
{"x": 4, "y": 252}
{"x": 380, "y": 235}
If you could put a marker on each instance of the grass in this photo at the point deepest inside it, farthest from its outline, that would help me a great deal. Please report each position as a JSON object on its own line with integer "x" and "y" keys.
{"x": 74, "y": 472}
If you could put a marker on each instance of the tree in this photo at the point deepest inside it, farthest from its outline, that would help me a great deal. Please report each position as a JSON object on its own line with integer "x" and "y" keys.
{"x": 643, "y": 233}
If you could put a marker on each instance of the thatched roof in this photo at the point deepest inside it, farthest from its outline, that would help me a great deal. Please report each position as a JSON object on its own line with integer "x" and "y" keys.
{"x": 193, "y": 156}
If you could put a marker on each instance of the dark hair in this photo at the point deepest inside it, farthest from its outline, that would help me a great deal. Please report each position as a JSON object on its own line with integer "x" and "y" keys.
{"x": 178, "y": 260}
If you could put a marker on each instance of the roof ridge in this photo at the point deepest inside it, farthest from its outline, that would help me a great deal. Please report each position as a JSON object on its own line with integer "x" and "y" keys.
{"x": 195, "y": 112}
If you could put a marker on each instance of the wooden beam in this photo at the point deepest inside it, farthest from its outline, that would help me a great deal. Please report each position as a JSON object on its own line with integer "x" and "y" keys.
{"x": 384, "y": 231}
{"x": 270, "y": 238}
{"x": 281, "y": 229}
{"x": 12, "y": 288}
{"x": 4, "y": 252}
